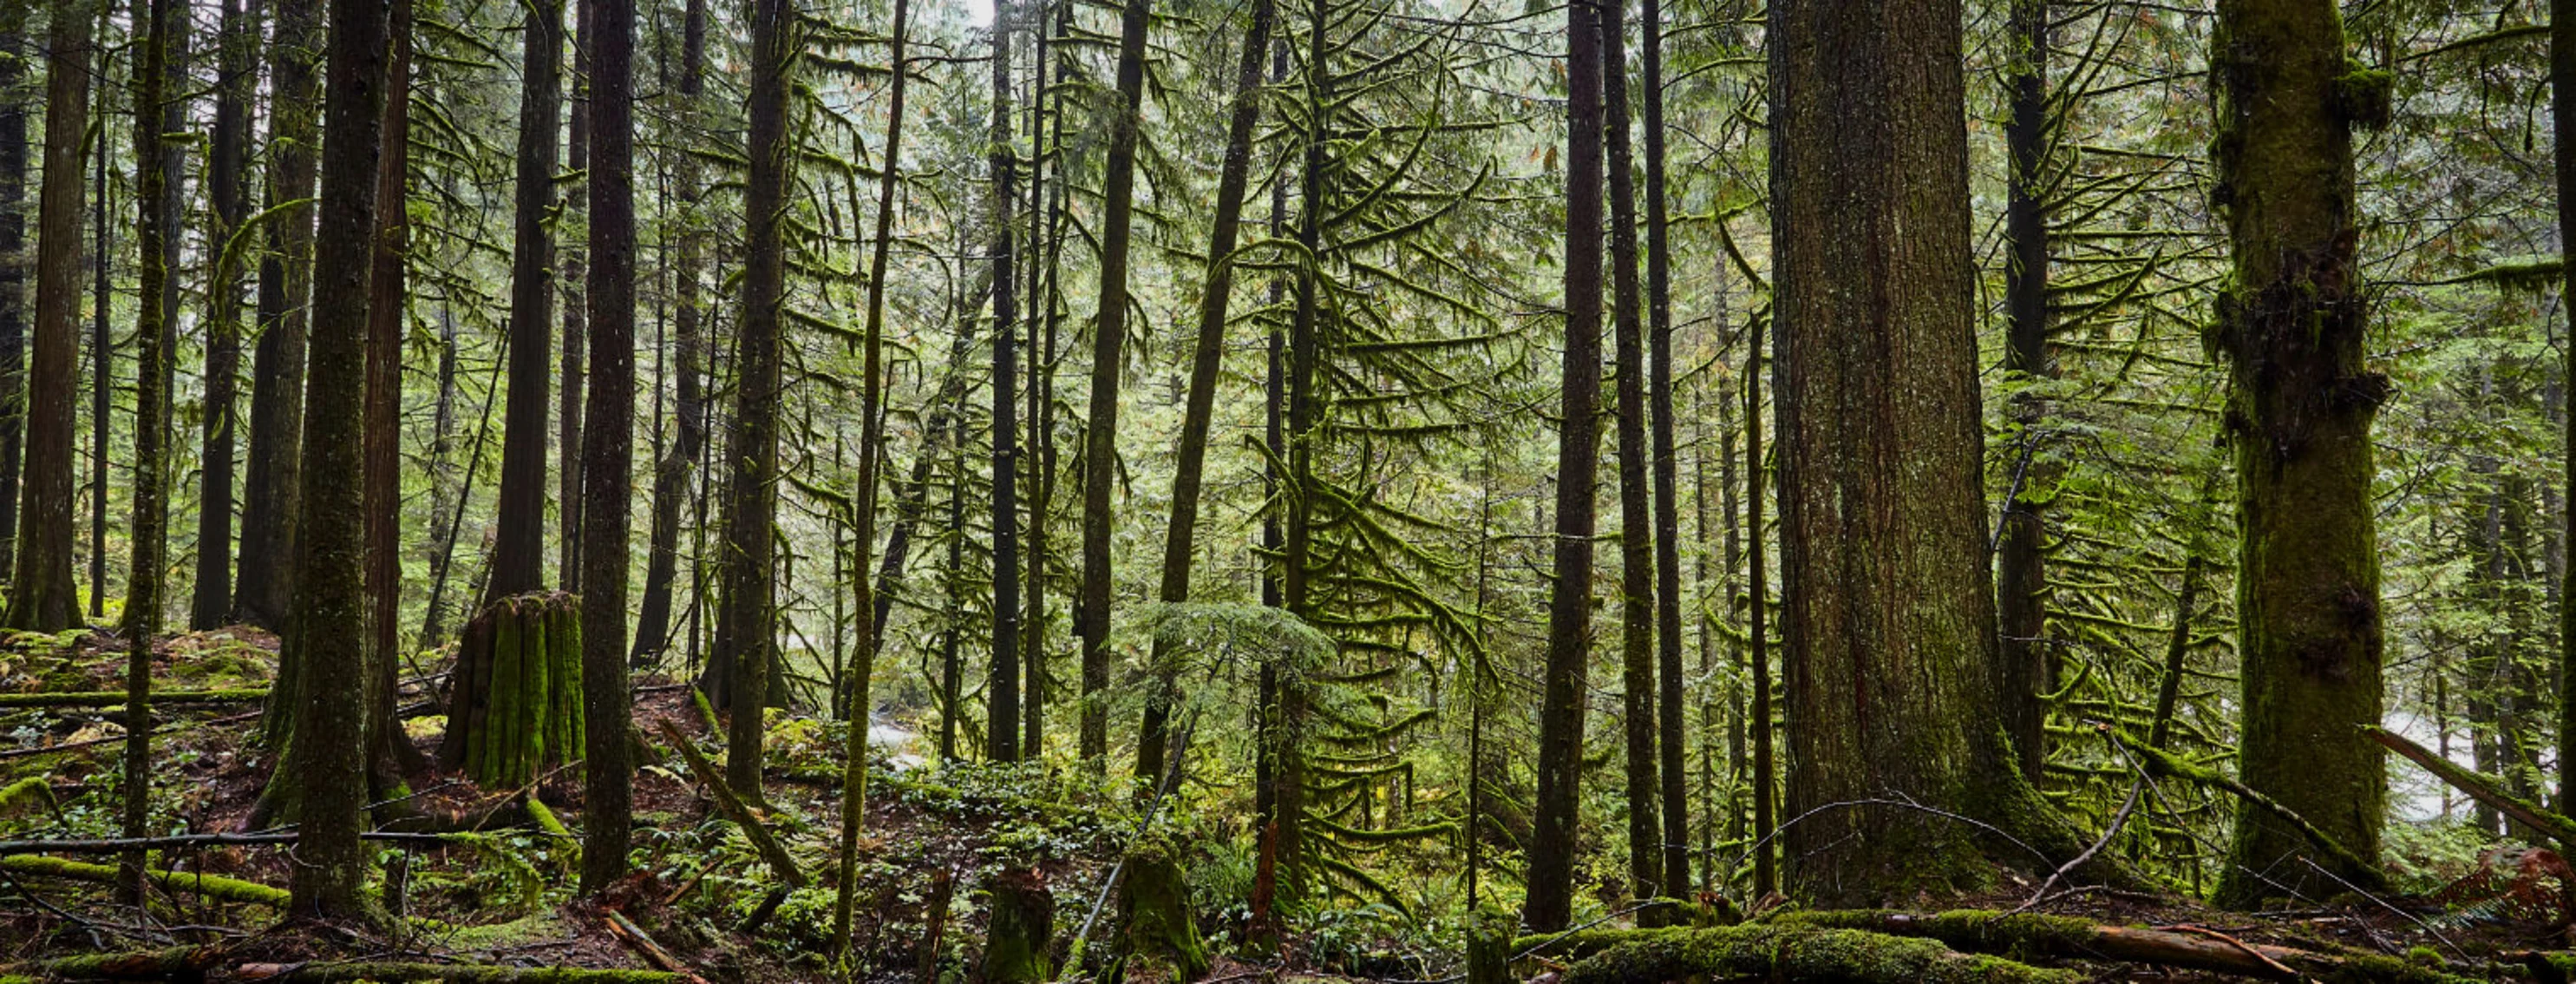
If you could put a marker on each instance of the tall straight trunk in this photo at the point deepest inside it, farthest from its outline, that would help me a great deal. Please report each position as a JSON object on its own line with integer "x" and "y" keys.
{"x": 1549, "y": 905}
{"x": 1636, "y": 519}
{"x": 745, "y": 626}
{"x": 13, "y": 272}
{"x": 2302, "y": 397}
{"x": 272, "y": 482}
{"x": 42, "y": 593}
{"x": 1672, "y": 724}
{"x": 1300, "y": 415}
{"x": 518, "y": 549}
{"x": 671, "y": 476}
{"x": 573, "y": 277}
{"x": 1108, "y": 347}
{"x": 102, "y": 348}
{"x": 2022, "y": 567}
{"x": 1266, "y": 717}
{"x": 1888, "y": 625}
{"x": 328, "y": 754}
{"x": 1207, "y": 358}
{"x": 2562, "y": 116}
{"x": 1002, "y": 683}
{"x": 390, "y": 755}
{"x": 854, "y": 780}
{"x": 1766, "y": 777}
{"x": 608, "y": 447}
{"x": 1049, "y": 245}
{"x": 229, "y": 195}
{"x": 153, "y": 27}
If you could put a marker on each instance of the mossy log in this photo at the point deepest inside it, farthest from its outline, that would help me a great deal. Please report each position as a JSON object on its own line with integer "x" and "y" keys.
{"x": 116, "y": 698}
{"x": 2480, "y": 788}
{"x": 1154, "y": 906}
{"x": 2028, "y": 935}
{"x": 350, "y": 973}
{"x": 2366, "y": 874}
{"x": 33, "y": 789}
{"x": 517, "y": 706}
{"x": 175, "y": 963}
{"x": 210, "y": 886}
{"x": 1021, "y": 932}
{"x": 1792, "y": 954}
{"x": 771, "y": 852}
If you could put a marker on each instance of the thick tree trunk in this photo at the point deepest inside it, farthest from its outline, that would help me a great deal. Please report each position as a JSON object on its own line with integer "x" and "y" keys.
{"x": 328, "y": 755}
{"x": 262, "y": 593}
{"x": 519, "y": 704}
{"x": 518, "y": 549}
{"x": 1636, "y": 518}
{"x": 1889, "y": 617}
{"x": 2302, "y": 397}
{"x": 390, "y": 754}
{"x": 671, "y": 476}
{"x": 227, "y": 163}
{"x": 745, "y": 626}
{"x": 1207, "y": 358}
{"x": 1108, "y": 347}
{"x": 608, "y": 446}
{"x": 41, "y": 593}
{"x": 1569, "y": 619}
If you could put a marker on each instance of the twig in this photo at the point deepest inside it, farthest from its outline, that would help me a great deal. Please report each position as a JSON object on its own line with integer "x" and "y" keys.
{"x": 2117, "y": 821}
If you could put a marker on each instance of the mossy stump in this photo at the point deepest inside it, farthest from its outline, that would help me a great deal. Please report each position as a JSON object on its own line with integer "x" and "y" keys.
{"x": 1154, "y": 905}
{"x": 1022, "y": 931}
{"x": 516, "y": 703}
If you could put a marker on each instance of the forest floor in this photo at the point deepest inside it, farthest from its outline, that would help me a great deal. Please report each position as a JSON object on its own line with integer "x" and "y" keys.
{"x": 495, "y": 889}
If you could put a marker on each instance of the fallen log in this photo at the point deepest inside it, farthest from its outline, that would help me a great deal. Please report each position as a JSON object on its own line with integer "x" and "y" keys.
{"x": 654, "y": 954}
{"x": 2066, "y": 937}
{"x": 175, "y": 963}
{"x": 1797, "y": 953}
{"x": 116, "y": 698}
{"x": 771, "y": 852}
{"x": 210, "y": 886}
{"x": 2164, "y": 764}
{"x": 120, "y": 845}
{"x": 350, "y": 973}
{"x": 2479, "y": 787}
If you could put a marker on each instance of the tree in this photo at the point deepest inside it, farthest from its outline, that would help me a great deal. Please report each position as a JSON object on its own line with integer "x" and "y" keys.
{"x": 41, "y": 592}
{"x": 390, "y": 753}
{"x": 2291, "y": 326}
{"x": 154, "y": 28}
{"x": 328, "y": 755}
{"x": 1671, "y": 697}
{"x": 1002, "y": 684}
{"x": 1108, "y": 345}
{"x": 518, "y": 551}
{"x": 608, "y": 446}
{"x": 263, "y": 587}
{"x": 228, "y": 195}
{"x": 1888, "y": 618}
{"x": 2022, "y": 561}
{"x": 1636, "y": 522}
{"x": 1549, "y": 905}
{"x": 671, "y": 475}
{"x": 13, "y": 272}
{"x": 2562, "y": 117}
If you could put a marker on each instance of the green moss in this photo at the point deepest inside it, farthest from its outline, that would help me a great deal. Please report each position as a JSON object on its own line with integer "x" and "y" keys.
{"x": 2365, "y": 97}
{"x": 1801, "y": 953}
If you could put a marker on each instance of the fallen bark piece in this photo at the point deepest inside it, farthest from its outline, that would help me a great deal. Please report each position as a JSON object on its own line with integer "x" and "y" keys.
{"x": 2480, "y": 788}
{"x": 349, "y": 973}
{"x": 210, "y": 886}
{"x": 771, "y": 852}
{"x": 1793, "y": 954}
{"x": 2066, "y": 937}
{"x": 116, "y": 698}
{"x": 653, "y": 952}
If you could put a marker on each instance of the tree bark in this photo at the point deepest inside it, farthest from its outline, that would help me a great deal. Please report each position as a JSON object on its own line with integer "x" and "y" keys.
{"x": 518, "y": 549}
{"x": 1002, "y": 684}
{"x": 1636, "y": 518}
{"x": 2022, "y": 563}
{"x": 1549, "y": 905}
{"x": 153, "y": 28}
{"x": 13, "y": 272}
{"x": 2291, "y": 326}
{"x": 41, "y": 593}
{"x": 390, "y": 754}
{"x": 608, "y": 447}
{"x": 211, "y": 605}
{"x": 1673, "y": 724}
{"x": 262, "y": 593}
{"x": 671, "y": 476}
{"x": 1108, "y": 347}
{"x": 574, "y": 280}
{"x": 2562, "y": 116}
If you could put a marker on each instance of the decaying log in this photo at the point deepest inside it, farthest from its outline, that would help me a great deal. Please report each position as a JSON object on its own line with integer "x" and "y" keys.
{"x": 2065, "y": 937}
{"x": 350, "y": 973}
{"x": 2480, "y": 788}
{"x": 116, "y": 698}
{"x": 771, "y": 852}
{"x": 1792, "y": 954}
{"x": 175, "y": 963}
{"x": 210, "y": 886}
{"x": 654, "y": 954}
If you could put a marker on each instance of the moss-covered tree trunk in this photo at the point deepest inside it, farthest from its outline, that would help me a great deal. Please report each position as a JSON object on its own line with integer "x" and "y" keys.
{"x": 1021, "y": 934}
{"x": 1160, "y": 939}
{"x": 1888, "y": 623}
{"x": 2291, "y": 326}
{"x": 517, "y": 704}
{"x": 41, "y": 591}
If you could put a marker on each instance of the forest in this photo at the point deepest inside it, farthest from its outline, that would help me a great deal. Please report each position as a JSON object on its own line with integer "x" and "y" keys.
{"x": 1287, "y": 491}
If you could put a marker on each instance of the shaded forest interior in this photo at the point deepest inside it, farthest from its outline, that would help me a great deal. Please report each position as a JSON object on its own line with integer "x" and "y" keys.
{"x": 1424, "y": 491}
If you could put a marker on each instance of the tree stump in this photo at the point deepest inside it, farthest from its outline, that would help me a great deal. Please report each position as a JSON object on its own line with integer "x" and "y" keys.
{"x": 1022, "y": 932}
{"x": 516, "y": 693}
{"x": 1161, "y": 938}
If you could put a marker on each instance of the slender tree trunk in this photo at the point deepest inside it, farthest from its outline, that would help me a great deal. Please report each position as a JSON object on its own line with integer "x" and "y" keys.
{"x": 1673, "y": 725}
{"x": 2302, "y": 398}
{"x": 2022, "y": 566}
{"x": 102, "y": 344}
{"x": 153, "y": 27}
{"x": 854, "y": 781}
{"x": 2562, "y": 115}
{"x": 13, "y": 272}
{"x": 390, "y": 753}
{"x": 518, "y": 549}
{"x": 226, "y": 166}
{"x": 1108, "y": 347}
{"x": 1766, "y": 776}
{"x": 671, "y": 476}
{"x": 608, "y": 447}
{"x": 1636, "y": 519}
{"x": 42, "y": 591}
{"x": 1002, "y": 684}
{"x": 572, "y": 260}
{"x": 1549, "y": 905}
{"x": 272, "y": 482}
{"x": 328, "y": 754}
{"x": 1207, "y": 358}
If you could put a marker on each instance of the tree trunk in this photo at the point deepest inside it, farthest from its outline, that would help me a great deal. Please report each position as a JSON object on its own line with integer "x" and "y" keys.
{"x": 1673, "y": 725}
{"x": 102, "y": 344}
{"x": 2562, "y": 115}
{"x": 2022, "y": 564}
{"x": 573, "y": 280}
{"x": 13, "y": 272}
{"x": 671, "y": 475}
{"x": 519, "y": 692}
{"x": 390, "y": 754}
{"x": 1569, "y": 618}
{"x": 1207, "y": 358}
{"x": 1766, "y": 777}
{"x": 328, "y": 755}
{"x": 2301, "y": 401}
{"x": 262, "y": 593}
{"x": 42, "y": 591}
{"x": 1108, "y": 347}
{"x": 212, "y": 603}
{"x": 1636, "y": 519}
{"x": 608, "y": 446}
{"x": 153, "y": 29}
{"x": 518, "y": 549}
{"x": 1889, "y": 616}
{"x": 1002, "y": 684}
